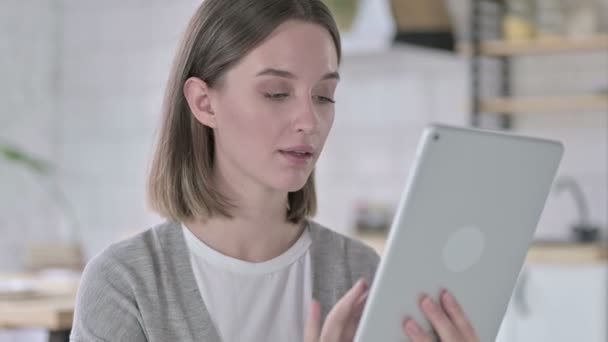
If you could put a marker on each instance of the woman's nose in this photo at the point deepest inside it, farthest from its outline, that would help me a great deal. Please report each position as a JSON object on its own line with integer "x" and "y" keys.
{"x": 307, "y": 119}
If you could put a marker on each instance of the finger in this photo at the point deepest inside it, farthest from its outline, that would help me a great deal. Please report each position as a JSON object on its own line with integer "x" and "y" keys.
{"x": 345, "y": 305}
{"x": 439, "y": 319}
{"x": 458, "y": 316}
{"x": 415, "y": 332}
{"x": 311, "y": 334}
{"x": 360, "y": 303}
{"x": 337, "y": 320}
{"x": 355, "y": 317}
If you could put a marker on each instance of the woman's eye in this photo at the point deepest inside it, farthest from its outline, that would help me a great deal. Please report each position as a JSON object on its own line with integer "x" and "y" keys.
{"x": 276, "y": 96}
{"x": 323, "y": 99}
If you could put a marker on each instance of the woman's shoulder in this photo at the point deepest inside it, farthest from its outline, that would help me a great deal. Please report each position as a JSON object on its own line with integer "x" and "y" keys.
{"x": 122, "y": 281}
{"x": 138, "y": 253}
{"x": 331, "y": 242}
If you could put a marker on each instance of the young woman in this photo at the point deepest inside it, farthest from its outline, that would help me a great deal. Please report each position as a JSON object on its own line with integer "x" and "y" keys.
{"x": 248, "y": 106}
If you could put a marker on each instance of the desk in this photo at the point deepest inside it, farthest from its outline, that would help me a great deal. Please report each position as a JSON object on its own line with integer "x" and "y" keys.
{"x": 51, "y": 307}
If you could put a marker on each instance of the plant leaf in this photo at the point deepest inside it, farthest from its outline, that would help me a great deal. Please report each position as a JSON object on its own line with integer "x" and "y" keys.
{"x": 14, "y": 154}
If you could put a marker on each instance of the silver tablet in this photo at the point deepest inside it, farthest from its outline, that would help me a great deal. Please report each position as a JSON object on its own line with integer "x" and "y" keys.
{"x": 464, "y": 223}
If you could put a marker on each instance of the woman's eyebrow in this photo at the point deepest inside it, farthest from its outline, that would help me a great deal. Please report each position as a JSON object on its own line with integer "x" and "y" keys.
{"x": 331, "y": 75}
{"x": 287, "y": 74}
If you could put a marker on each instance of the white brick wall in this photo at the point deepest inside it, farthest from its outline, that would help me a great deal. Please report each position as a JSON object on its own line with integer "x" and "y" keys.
{"x": 116, "y": 58}
{"x": 28, "y": 56}
{"x": 81, "y": 85}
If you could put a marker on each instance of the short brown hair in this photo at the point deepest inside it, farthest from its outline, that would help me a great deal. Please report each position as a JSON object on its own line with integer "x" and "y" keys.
{"x": 220, "y": 33}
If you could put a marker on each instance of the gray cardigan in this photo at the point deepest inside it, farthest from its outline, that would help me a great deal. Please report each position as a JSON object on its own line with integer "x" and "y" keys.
{"x": 143, "y": 288}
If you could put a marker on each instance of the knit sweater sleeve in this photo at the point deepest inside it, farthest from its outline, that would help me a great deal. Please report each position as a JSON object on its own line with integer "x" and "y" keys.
{"x": 106, "y": 309}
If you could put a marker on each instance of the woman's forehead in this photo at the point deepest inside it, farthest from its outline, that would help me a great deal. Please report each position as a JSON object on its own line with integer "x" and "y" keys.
{"x": 296, "y": 47}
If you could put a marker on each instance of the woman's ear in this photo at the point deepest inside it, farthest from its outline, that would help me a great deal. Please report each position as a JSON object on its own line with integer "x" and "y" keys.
{"x": 197, "y": 95}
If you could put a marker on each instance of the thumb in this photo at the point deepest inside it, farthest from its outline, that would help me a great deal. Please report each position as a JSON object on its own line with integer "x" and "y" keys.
{"x": 311, "y": 334}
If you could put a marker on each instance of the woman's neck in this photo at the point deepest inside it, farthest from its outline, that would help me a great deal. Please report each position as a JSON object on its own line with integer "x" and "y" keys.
{"x": 247, "y": 239}
{"x": 258, "y": 231}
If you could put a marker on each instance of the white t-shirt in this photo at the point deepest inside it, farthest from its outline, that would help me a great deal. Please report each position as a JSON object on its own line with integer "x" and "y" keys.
{"x": 265, "y": 301}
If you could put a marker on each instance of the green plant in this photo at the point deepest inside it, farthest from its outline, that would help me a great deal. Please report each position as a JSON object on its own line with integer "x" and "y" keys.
{"x": 18, "y": 156}
{"x": 44, "y": 170}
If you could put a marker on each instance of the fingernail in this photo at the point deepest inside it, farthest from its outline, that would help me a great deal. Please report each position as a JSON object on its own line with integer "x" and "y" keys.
{"x": 448, "y": 297}
{"x": 427, "y": 303}
{"x": 361, "y": 286}
{"x": 412, "y": 327}
{"x": 363, "y": 297}
{"x": 315, "y": 310}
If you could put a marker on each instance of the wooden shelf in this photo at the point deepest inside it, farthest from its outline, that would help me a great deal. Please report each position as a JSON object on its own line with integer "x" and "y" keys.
{"x": 545, "y": 45}
{"x": 503, "y": 48}
{"x": 539, "y": 252}
{"x": 523, "y": 105}
{"x": 567, "y": 253}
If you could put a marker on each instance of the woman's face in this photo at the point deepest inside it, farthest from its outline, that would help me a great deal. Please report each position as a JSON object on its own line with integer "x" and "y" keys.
{"x": 274, "y": 109}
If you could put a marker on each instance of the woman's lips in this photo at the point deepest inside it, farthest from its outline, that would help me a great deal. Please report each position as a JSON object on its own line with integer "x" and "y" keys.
{"x": 297, "y": 157}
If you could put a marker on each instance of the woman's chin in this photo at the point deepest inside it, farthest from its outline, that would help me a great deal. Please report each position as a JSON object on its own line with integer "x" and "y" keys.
{"x": 296, "y": 186}
{"x": 293, "y": 184}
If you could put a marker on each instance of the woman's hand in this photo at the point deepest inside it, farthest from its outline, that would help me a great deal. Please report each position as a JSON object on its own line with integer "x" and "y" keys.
{"x": 448, "y": 320}
{"x": 342, "y": 321}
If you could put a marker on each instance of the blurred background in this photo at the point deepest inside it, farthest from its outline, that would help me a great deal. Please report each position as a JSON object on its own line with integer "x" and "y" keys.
{"x": 81, "y": 84}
